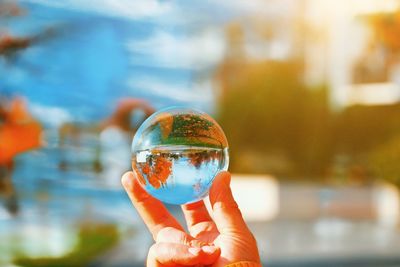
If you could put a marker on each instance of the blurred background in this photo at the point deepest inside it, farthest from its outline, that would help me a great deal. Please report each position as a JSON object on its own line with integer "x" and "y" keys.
{"x": 307, "y": 92}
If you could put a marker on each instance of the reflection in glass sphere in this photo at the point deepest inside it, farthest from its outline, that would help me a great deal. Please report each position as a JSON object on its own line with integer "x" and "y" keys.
{"x": 176, "y": 154}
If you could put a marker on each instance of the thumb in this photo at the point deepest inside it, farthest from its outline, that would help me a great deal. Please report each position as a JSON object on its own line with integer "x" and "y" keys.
{"x": 226, "y": 213}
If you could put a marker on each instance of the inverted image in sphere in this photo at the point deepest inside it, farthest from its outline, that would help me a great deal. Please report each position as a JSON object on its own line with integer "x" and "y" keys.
{"x": 176, "y": 154}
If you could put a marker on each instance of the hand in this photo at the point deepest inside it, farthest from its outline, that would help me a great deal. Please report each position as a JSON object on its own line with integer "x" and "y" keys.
{"x": 218, "y": 242}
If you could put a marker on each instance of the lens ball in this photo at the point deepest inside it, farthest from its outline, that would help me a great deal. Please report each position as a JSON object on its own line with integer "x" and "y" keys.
{"x": 176, "y": 154}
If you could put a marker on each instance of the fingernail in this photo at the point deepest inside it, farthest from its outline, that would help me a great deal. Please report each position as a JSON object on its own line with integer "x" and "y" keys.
{"x": 194, "y": 251}
{"x": 209, "y": 249}
{"x": 127, "y": 181}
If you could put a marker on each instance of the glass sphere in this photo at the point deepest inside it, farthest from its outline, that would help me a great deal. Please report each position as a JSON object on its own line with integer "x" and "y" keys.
{"x": 176, "y": 154}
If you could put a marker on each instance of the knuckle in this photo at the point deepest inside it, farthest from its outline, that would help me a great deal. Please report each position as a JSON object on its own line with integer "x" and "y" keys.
{"x": 171, "y": 234}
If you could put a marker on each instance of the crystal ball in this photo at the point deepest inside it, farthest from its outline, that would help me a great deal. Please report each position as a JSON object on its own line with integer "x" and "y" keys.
{"x": 176, "y": 154}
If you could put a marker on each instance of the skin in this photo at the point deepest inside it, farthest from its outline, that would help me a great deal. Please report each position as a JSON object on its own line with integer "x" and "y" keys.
{"x": 215, "y": 239}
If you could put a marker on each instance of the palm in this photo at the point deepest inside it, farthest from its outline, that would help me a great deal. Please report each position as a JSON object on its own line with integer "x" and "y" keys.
{"x": 205, "y": 232}
{"x": 226, "y": 230}
{"x": 234, "y": 242}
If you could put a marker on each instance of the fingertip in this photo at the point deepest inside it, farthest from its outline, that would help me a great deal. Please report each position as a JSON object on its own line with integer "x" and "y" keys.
{"x": 225, "y": 210}
{"x": 194, "y": 251}
{"x": 210, "y": 249}
{"x": 193, "y": 206}
{"x": 221, "y": 183}
{"x": 127, "y": 180}
{"x": 225, "y": 177}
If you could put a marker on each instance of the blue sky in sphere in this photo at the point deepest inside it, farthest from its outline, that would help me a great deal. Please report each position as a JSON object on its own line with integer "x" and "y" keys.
{"x": 101, "y": 51}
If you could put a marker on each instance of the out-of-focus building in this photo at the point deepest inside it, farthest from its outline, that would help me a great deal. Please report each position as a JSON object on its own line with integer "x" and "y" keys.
{"x": 333, "y": 40}
{"x": 343, "y": 51}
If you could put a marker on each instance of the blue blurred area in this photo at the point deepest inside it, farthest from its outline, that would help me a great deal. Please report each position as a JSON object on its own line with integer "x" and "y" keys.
{"x": 83, "y": 65}
{"x": 78, "y": 66}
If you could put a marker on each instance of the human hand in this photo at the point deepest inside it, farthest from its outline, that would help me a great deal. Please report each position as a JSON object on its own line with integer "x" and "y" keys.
{"x": 220, "y": 241}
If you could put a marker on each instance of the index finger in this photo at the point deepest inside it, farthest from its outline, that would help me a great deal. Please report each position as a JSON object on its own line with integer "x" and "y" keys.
{"x": 154, "y": 214}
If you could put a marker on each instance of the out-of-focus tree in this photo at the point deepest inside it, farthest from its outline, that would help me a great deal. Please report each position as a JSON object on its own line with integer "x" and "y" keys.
{"x": 10, "y": 9}
{"x": 386, "y": 29}
{"x": 277, "y": 124}
{"x": 362, "y": 132}
{"x": 273, "y": 122}
{"x": 360, "y": 129}
{"x": 382, "y": 52}
{"x": 11, "y": 45}
{"x": 384, "y": 161}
